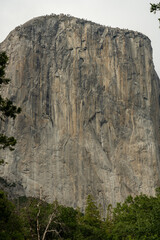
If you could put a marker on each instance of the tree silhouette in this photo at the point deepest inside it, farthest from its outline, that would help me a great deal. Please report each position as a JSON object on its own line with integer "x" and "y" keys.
{"x": 7, "y": 108}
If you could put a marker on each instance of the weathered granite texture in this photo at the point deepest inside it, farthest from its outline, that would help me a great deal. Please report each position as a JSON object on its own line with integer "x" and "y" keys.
{"x": 90, "y": 120}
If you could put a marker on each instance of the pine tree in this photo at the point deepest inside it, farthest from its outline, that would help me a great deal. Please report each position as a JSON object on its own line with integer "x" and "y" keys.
{"x": 11, "y": 226}
{"x": 7, "y": 108}
{"x": 154, "y": 8}
{"x": 93, "y": 226}
{"x": 92, "y": 213}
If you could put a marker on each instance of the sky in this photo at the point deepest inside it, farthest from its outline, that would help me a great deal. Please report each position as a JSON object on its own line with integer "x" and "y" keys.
{"x": 127, "y": 14}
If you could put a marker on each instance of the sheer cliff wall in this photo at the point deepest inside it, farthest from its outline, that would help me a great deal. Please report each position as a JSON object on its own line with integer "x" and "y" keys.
{"x": 90, "y": 119}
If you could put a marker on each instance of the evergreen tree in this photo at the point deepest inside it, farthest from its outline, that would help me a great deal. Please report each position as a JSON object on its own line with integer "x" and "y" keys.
{"x": 137, "y": 218}
{"x": 92, "y": 227}
{"x": 92, "y": 213}
{"x": 155, "y": 7}
{"x": 11, "y": 227}
{"x": 7, "y": 108}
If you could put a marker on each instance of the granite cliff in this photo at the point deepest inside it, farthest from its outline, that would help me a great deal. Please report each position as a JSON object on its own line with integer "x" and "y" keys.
{"x": 90, "y": 119}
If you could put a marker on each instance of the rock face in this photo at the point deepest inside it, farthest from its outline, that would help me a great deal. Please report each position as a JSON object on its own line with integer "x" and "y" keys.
{"x": 90, "y": 119}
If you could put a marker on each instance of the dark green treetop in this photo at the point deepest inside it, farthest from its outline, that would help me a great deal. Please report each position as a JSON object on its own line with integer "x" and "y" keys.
{"x": 155, "y": 7}
{"x": 11, "y": 227}
{"x": 137, "y": 218}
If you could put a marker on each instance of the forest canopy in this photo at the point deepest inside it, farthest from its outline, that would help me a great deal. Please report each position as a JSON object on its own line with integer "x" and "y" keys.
{"x": 136, "y": 218}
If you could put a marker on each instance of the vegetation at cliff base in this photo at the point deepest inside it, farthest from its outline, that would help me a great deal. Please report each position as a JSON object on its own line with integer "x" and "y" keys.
{"x": 138, "y": 218}
{"x": 11, "y": 226}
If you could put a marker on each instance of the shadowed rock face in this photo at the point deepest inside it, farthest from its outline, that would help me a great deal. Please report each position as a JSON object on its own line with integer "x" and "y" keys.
{"x": 90, "y": 119}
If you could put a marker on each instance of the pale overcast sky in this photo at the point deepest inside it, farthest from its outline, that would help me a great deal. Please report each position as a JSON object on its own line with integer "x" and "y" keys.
{"x": 130, "y": 14}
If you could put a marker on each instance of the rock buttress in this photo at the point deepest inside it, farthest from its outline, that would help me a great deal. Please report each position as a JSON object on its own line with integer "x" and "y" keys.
{"x": 90, "y": 119}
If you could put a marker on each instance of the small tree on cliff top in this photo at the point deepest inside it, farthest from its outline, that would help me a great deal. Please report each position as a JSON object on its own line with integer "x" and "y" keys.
{"x": 7, "y": 108}
{"x": 155, "y": 7}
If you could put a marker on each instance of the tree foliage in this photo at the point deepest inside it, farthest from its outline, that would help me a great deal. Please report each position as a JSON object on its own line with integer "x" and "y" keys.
{"x": 155, "y": 7}
{"x": 137, "y": 218}
{"x": 7, "y": 108}
{"x": 11, "y": 227}
{"x": 43, "y": 221}
{"x": 3, "y": 64}
{"x": 90, "y": 225}
{"x": 92, "y": 213}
